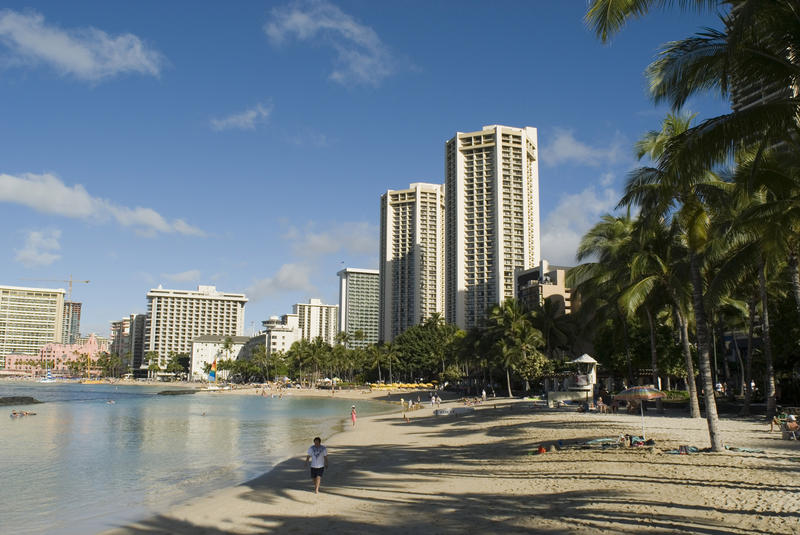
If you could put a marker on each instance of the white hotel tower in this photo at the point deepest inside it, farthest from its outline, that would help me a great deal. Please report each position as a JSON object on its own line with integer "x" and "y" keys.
{"x": 176, "y": 317}
{"x": 412, "y": 257}
{"x": 492, "y": 190}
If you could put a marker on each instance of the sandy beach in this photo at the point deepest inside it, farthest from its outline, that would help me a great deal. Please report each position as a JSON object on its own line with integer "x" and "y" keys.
{"x": 479, "y": 472}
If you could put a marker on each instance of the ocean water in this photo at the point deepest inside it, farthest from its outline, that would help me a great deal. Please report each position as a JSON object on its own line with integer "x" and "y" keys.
{"x": 82, "y": 464}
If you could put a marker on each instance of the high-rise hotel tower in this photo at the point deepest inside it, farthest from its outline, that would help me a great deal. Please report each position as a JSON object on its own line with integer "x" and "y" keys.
{"x": 412, "y": 257}
{"x": 176, "y": 317}
{"x": 492, "y": 190}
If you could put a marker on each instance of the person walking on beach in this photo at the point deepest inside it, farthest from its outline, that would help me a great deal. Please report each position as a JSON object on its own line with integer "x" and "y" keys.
{"x": 353, "y": 415}
{"x": 318, "y": 456}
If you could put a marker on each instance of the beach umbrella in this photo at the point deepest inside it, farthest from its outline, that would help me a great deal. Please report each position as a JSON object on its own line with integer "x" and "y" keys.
{"x": 640, "y": 394}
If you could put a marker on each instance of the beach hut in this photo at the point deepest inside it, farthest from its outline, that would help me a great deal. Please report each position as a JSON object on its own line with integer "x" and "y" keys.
{"x": 579, "y": 386}
{"x": 586, "y": 377}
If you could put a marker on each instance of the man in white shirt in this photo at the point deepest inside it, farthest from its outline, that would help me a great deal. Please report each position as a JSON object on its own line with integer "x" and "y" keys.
{"x": 318, "y": 455}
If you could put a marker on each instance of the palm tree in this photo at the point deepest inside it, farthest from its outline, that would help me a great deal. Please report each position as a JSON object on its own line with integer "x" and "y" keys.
{"x": 607, "y": 17}
{"x": 374, "y": 357}
{"x": 688, "y": 199}
{"x": 753, "y": 244}
{"x": 556, "y": 326}
{"x": 600, "y": 283}
{"x": 515, "y": 337}
{"x": 390, "y": 354}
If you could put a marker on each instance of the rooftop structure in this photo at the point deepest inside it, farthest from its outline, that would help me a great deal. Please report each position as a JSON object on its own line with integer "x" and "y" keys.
{"x": 281, "y": 333}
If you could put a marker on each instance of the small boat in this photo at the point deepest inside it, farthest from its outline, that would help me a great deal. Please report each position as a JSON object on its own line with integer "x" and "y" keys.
{"x": 48, "y": 378}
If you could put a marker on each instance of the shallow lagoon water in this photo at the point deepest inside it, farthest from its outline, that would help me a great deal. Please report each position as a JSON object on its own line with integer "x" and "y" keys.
{"x": 83, "y": 464}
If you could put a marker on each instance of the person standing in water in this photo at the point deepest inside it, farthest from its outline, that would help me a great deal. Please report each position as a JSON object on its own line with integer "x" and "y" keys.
{"x": 318, "y": 455}
{"x": 353, "y": 415}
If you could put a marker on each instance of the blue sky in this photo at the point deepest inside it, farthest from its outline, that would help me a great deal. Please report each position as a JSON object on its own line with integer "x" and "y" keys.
{"x": 246, "y": 144}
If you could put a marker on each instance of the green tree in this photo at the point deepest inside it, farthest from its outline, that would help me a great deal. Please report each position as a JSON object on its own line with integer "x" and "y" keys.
{"x": 516, "y": 340}
{"x": 178, "y": 363}
{"x": 110, "y": 364}
{"x": 689, "y": 199}
{"x": 598, "y": 284}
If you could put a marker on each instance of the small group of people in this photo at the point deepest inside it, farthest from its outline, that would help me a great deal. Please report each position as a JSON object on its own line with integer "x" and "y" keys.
{"x": 436, "y": 401}
{"x": 19, "y": 414}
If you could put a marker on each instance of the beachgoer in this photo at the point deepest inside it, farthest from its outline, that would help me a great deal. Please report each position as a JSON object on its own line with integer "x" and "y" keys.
{"x": 483, "y": 394}
{"x": 403, "y": 403}
{"x": 353, "y": 415}
{"x": 438, "y": 400}
{"x": 318, "y": 455}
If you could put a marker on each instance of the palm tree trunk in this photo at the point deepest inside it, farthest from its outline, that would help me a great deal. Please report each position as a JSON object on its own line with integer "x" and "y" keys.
{"x": 762, "y": 283}
{"x": 694, "y": 404}
{"x": 748, "y": 372}
{"x": 704, "y": 354}
{"x": 654, "y": 358}
{"x": 508, "y": 381}
{"x": 741, "y": 364}
{"x": 627, "y": 348}
{"x": 719, "y": 329}
{"x": 794, "y": 270}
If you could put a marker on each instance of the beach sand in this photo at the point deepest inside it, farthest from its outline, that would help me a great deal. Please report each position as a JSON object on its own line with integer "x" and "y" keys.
{"x": 475, "y": 473}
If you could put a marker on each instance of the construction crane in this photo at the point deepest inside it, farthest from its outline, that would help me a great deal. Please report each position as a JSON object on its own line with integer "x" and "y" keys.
{"x": 70, "y": 281}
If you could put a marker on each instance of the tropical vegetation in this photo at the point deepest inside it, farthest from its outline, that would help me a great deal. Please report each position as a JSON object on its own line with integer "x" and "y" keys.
{"x": 713, "y": 251}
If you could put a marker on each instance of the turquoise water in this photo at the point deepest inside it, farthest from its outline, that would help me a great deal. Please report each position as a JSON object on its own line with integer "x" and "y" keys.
{"x": 83, "y": 464}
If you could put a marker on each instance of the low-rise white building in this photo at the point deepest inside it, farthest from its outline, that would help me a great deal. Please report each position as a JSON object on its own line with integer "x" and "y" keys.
{"x": 207, "y": 349}
{"x": 281, "y": 333}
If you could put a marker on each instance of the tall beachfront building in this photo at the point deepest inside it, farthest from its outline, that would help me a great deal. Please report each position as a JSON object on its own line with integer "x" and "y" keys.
{"x": 359, "y": 300}
{"x": 412, "y": 257}
{"x": 127, "y": 339}
{"x": 492, "y": 191}
{"x": 317, "y": 320}
{"x": 29, "y": 319}
{"x": 176, "y": 317}
{"x": 71, "y": 330}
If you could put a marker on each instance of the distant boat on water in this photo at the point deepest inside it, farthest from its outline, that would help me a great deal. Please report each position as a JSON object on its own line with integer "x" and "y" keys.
{"x": 48, "y": 378}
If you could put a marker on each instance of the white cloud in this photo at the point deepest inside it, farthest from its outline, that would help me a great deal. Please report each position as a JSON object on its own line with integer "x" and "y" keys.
{"x": 85, "y": 53}
{"x": 289, "y": 278}
{"x": 46, "y": 193}
{"x": 361, "y": 56}
{"x": 359, "y": 238}
{"x": 245, "y": 120}
{"x": 191, "y": 275}
{"x": 565, "y": 148}
{"x": 39, "y": 247}
{"x": 606, "y": 179}
{"x": 574, "y": 215}
{"x": 310, "y": 137}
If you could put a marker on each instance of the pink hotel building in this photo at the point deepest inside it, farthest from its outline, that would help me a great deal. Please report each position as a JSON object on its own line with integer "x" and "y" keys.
{"x": 57, "y": 355}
